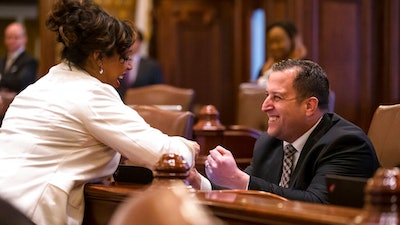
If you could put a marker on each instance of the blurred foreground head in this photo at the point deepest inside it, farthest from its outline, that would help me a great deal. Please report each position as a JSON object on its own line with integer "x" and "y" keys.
{"x": 163, "y": 206}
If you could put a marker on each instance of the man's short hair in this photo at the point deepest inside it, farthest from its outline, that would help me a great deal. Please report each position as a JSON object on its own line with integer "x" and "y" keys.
{"x": 311, "y": 80}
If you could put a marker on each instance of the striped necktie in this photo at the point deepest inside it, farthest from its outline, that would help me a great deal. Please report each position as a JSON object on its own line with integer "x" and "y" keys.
{"x": 9, "y": 62}
{"x": 288, "y": 154}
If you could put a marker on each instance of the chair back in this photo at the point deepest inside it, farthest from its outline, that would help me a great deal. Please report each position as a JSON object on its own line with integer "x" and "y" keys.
{"x": 160, "y": 94}
{"x": 250, "y": 100}
{"x": 384, "y": 133}
{"x": 173, "y": 123}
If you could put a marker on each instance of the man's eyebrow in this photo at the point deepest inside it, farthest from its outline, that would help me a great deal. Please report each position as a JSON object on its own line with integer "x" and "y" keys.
{"x": 275, "y": 92}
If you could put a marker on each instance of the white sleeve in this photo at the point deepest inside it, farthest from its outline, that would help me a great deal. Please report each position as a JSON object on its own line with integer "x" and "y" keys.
{"x": 205, "y": 184}
{"x": 121, "y": 128}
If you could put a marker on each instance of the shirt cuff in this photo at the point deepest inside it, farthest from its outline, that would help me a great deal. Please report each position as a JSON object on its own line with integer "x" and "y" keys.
{"x": 205, "y": 184}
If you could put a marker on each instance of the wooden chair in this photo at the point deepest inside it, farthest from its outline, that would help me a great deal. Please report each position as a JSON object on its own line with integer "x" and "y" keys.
{"x": 250, "y": 100}
{"x": 160, "y": 94}
{"x": 384, "y": 133}
{"x": 173, "y": 123}
{"x": 239, "y": 140}
{"x": 209, "y": 133}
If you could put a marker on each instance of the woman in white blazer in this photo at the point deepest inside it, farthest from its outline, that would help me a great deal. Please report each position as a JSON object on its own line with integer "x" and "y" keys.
{"x": 71, "y": 127}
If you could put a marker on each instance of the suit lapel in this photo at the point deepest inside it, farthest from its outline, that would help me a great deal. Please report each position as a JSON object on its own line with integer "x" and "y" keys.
{"x": 274, "y": 166}
{"x": 320, "y": 130}
{"x": 16, "y": 63}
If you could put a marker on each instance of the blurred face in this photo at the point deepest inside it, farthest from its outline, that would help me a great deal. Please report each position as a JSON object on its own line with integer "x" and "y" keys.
{"x": 279, "y": 44}
{"x": 115, "y": 67}
{"x": 14, "y": 37}
{"x": 286, "y": 116}
{"x": 136, "y": 46}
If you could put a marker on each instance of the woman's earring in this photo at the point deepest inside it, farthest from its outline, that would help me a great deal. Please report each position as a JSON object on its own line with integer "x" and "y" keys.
{"x": 101, "y": 71}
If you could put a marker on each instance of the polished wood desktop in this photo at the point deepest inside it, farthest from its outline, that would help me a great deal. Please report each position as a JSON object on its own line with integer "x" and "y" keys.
{"x": 234, "y": 208}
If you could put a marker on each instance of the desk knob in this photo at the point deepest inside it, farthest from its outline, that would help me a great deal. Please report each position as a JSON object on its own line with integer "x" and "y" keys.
{"x": 167, "y": 201}
{"x": 170, "y": 170}
{"x": 382, "y": 199}
{"x": 172, "y": 166}
{"x": 208, "y": 119}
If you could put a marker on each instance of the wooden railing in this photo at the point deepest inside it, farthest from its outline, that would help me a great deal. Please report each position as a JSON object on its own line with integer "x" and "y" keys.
{"x": 232, "y": 207}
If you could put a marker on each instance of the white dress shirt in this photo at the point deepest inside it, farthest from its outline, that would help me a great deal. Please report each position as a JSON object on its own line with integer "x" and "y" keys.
{"x": 300, "y": 142}
{"x": 65, "y": 130}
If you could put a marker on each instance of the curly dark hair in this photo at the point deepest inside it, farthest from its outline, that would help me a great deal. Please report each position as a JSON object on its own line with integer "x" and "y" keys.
{"x": 311, "y": 80}
{"x": 83, "y": 27}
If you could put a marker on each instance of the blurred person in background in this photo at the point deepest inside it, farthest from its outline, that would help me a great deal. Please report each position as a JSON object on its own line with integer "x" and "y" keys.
{"x": 18, "y": 68}
{"x": 283, "y": 42}
{"x": 145, "y": 70}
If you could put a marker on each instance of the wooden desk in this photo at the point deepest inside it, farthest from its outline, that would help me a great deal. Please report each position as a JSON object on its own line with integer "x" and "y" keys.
{"x": 233, "y": 208}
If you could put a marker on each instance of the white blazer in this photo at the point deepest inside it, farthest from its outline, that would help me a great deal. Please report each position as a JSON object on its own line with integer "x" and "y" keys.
{"x": 64, "y": 131}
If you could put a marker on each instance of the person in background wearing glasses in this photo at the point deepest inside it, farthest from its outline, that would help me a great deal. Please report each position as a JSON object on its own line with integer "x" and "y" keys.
{"x": 71, "y": 127}
{"x": 321, "y": 143}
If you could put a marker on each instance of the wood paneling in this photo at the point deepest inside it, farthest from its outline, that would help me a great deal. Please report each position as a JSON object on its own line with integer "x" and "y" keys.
{"x": 121, "y": 9}
{"x": 194, "y": 45}
{"x": 205, "y": 45}
{"x": 48, "y": 48}
{"x": 340, "y": 36}
{"x": 233, "y": 207}
{"x": 390, "y": 57}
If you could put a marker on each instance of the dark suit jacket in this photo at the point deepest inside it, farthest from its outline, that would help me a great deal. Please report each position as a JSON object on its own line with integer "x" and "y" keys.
{"x": 336, "y": 146}
{"x": 22, "y": 73}
{"x": 149, "y": 73}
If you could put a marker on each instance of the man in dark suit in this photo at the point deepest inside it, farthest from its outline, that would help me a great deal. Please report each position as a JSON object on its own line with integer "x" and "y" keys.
{"x": 145, "y": 70}
{"x": 18, "y": 69}
{"x": 324, "y": 143}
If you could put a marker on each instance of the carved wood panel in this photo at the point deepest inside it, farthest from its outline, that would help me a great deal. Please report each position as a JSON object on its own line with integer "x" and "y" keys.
{"x": 340, "y": 40}
{"x": 194, "y": 42}
{"x": 204, "y": 44}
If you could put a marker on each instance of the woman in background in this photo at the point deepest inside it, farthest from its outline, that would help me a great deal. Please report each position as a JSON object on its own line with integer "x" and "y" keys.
{"x": 283, "y": 42}
{"x": 71, "y": 127}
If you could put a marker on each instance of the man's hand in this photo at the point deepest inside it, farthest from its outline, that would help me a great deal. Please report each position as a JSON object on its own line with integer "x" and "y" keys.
{"x": 222, "y": 170}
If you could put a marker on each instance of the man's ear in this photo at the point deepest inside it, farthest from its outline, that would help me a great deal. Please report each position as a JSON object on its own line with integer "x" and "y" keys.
{"x": 311, "y": 105}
